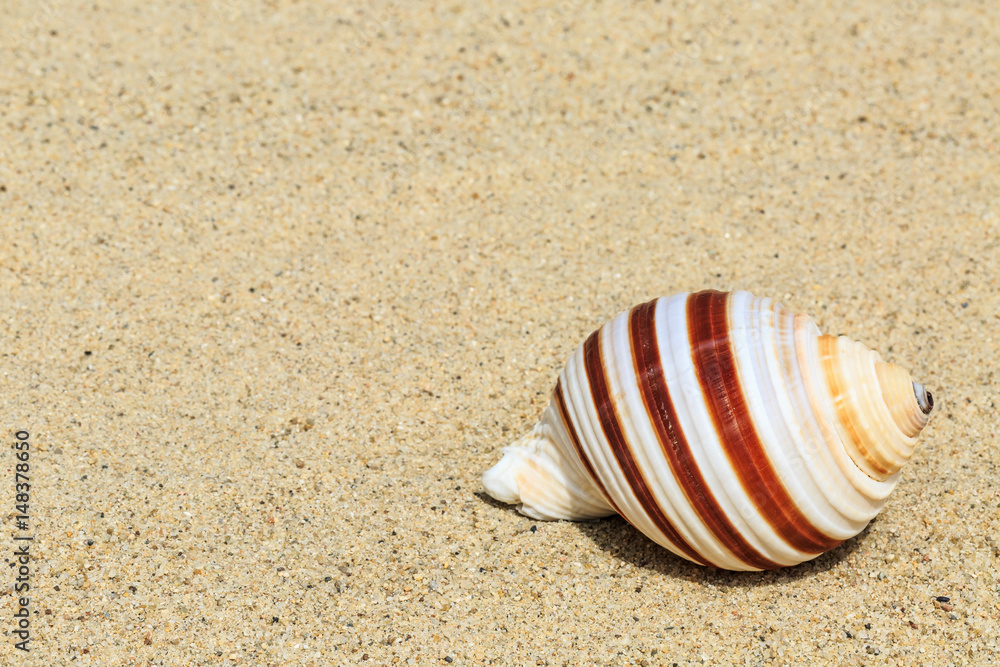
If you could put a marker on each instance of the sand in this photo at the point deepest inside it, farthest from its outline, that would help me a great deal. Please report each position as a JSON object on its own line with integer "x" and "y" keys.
{"x": 279, "y": 279}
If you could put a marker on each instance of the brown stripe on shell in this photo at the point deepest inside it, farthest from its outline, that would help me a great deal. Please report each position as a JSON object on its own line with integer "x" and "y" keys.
{"x": 715, "y": 362}
{"x": 580, "y": 452}
{"x": 611, "y": 426}
{"x": 673, "y": 443}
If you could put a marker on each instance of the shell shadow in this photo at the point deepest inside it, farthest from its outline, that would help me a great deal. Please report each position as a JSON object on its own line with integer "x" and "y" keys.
{"x": 621, "y": 540}
{"x": 493, "y": 502}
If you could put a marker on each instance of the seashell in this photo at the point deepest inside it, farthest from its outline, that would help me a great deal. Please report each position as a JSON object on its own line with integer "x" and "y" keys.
{"x": 724, "y": 427}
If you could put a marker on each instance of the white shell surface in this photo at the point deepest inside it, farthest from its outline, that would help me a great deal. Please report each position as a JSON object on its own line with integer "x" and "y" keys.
{"x": 722, "y": 426}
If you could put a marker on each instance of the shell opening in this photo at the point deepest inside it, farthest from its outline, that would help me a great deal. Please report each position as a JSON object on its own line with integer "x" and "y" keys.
{"x": 924, "y": 398}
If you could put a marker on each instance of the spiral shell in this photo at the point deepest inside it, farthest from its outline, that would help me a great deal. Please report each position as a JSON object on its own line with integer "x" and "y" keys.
{"x": 724, "y": 427}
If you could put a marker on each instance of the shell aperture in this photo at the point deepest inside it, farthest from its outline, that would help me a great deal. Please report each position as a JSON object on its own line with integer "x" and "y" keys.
{"x": 722, "y": 426}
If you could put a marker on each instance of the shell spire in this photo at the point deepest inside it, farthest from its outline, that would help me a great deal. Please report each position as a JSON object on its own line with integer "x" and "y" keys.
{"x": 724, "y": 427}
{"x": 878, "y": 410}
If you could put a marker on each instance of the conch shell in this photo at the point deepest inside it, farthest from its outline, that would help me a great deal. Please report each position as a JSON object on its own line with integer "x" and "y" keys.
{"x": 724, "y": 427}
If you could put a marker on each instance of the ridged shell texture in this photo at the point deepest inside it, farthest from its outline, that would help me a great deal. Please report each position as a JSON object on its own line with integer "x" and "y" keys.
{"x": 724, "y": 427}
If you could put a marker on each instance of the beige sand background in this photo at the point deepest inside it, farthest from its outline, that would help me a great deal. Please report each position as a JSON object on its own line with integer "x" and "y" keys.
{"x": 280, "y": 278}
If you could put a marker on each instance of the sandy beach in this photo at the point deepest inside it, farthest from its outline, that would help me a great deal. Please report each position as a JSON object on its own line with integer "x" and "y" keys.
{"x": 279, "y": 280}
